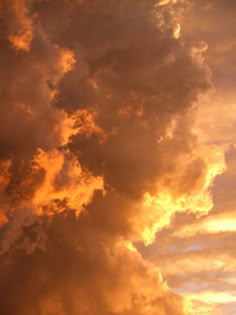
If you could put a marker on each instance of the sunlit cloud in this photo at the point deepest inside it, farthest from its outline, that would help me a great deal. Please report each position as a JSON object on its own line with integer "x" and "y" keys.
{"x": 117, "y": 157}
{"x": 225, "y": 222}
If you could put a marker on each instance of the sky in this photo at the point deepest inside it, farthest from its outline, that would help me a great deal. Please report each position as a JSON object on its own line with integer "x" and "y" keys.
{"x": 117, "y": 157}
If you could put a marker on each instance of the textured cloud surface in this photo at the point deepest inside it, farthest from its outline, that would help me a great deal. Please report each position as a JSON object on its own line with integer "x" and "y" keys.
{"x": 197, "y": 256}
{"x": 99, "y": 154}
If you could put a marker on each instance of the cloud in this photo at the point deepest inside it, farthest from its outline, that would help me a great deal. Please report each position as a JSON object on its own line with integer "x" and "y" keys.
{"x": 97, "y": 152}
{"x": 79, "y": 270}
{"x": 201, "y": 258}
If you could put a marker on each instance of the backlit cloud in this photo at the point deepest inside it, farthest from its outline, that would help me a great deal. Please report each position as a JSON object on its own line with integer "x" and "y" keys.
{"x": 101, "y": 155}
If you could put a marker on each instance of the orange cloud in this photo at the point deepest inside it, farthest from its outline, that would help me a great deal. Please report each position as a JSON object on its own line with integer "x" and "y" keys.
{"x": 21, "y": 33}
{"x": 98, "y": 151}
{"x": 64, "y": 181}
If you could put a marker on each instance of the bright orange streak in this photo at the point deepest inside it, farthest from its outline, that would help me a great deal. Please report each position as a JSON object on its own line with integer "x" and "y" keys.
{"x": 67, "y": 61}
{"x": 64, "y": 182}
{"x": 159, "y": 209}
{"x": 22, "y": 34}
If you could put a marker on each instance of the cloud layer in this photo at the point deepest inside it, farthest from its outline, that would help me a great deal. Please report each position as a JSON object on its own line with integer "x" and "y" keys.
{"x": 97, "y": 152}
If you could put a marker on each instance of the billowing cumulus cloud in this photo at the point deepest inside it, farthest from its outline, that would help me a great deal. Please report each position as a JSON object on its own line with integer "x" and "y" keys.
{"x": 197, "y": 255}
{"x": 97, "y": 152}
{"x": 81, "y": 271}
{"x": 202, "y": 249}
